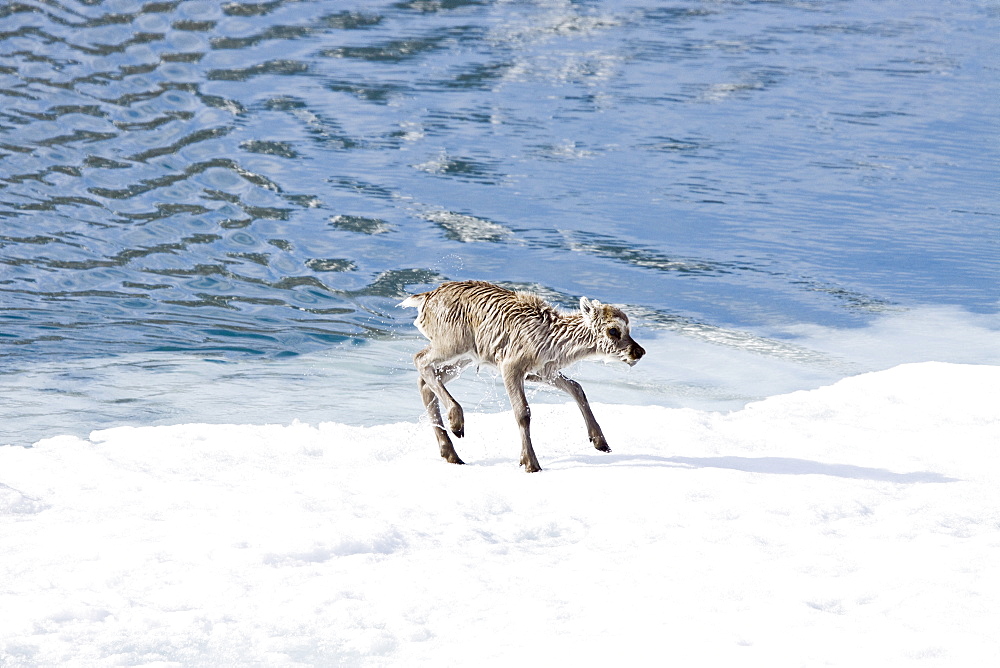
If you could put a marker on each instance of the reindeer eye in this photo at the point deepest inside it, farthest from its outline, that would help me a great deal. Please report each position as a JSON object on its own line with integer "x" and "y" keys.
{"x": 615, "y": 333}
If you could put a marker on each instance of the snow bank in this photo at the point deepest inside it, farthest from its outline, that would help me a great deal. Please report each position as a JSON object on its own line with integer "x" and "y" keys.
{"x": 857, "y": 524}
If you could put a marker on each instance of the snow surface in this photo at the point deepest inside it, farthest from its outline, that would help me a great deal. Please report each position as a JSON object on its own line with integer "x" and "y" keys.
{"x": 856, "y": 524}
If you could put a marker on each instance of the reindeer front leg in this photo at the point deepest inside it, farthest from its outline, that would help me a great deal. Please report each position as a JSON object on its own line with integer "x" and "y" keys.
{"x": 513, "y": 380}
{"x": 573, "y": 388}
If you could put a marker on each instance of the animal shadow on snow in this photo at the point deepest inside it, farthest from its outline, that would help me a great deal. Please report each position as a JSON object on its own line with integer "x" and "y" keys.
{"x": 772, "y": 465}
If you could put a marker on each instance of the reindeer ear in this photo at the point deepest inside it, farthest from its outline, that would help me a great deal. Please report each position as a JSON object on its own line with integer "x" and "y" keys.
{"x": 589, "y": 309}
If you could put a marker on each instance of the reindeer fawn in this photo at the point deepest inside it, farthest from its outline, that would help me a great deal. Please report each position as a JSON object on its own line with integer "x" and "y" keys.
{"x": 524, "y": 338}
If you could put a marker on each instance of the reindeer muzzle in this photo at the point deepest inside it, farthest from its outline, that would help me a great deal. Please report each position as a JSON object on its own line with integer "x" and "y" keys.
{"x": 635, "y": 353}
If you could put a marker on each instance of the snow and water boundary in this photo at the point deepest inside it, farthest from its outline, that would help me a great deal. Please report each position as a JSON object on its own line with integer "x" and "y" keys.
{"x": 372, "y": 382}
{"x": 858, "y": 523}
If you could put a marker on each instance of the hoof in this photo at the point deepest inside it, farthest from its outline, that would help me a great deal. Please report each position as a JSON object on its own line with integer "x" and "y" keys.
{"x": 453, "y": 458}
{"x": 602, "y": 445}
{"x": 448, "y": 453}
{"x": 530, "y": 466}
{"x": 456, "y": 420}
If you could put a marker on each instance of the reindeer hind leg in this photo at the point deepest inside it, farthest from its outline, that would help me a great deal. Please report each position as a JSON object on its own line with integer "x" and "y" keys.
{"x": 456, "y": 415}
{"x": 434, "y": 394}
{"x": 445, "y": 445}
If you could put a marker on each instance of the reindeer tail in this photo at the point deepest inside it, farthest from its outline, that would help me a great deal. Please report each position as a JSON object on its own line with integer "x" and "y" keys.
{"x": 414, "y": 301}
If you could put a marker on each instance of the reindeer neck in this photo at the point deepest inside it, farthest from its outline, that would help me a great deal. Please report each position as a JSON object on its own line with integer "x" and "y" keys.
{"x": 575, "y": 339}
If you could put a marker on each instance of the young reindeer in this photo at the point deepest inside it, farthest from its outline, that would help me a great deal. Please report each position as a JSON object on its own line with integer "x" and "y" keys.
{"x": 524, "y": 338}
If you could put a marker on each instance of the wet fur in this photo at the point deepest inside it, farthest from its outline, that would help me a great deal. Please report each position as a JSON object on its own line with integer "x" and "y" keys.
{"x": 521, "y": 335}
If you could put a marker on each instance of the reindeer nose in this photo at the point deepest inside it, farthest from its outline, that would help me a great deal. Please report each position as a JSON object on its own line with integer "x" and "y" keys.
{"x": 637, "y": 352}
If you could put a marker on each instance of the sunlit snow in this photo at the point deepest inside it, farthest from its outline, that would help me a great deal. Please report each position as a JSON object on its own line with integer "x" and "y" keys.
{"x": 856, "y": 524}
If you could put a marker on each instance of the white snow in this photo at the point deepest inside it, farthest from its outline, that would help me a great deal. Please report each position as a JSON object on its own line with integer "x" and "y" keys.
{"x": 856, "y": 524}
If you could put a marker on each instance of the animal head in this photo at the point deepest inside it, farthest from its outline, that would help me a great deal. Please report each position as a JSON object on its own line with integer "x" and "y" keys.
{"x": 609, "y": 326}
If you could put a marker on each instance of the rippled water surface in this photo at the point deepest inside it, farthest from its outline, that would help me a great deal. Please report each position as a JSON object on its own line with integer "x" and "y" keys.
{"x": 248, "y": 182}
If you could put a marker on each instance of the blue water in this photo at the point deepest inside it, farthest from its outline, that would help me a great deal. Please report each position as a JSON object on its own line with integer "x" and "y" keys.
{"x": 208, "y": 211}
